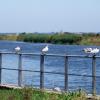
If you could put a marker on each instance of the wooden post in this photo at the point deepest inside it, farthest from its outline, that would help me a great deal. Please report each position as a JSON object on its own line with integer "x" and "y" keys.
{"x": 66, "y": 74}
{"x": 19, "y": 70}
{"x": 0, "y": 68}
{"x": 93, "y": 75}
{"x": 42, "y": 71}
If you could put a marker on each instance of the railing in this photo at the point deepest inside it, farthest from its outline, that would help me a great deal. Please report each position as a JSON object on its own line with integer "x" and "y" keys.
{"x": 42, "y": 56}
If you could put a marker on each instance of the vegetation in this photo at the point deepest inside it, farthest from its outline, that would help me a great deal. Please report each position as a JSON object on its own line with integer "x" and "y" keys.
{"x": 56, "y": 38}
{"x": 34, "y": 94}
{"x": 90, "y": 39}
{"x": 11, "y": 37}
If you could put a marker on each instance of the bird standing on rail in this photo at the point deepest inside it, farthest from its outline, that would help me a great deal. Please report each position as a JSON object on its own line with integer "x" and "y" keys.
{"x": 87, "y": 50}
{"x": 45, "y": 49}
{"x": 17, "y": 49}
{"x": 91, "y": 50}
{"x": 95, "y": 50}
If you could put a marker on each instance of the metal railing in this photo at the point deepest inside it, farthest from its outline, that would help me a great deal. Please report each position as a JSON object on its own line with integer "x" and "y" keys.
{"x": 42, "y": 56}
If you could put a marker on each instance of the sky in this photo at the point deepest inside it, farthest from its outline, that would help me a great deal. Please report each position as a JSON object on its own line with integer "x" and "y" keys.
{"x": 49, "y": 16}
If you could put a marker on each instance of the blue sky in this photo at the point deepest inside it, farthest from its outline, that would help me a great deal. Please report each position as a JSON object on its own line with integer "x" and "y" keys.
{"x": 49, "y": 15}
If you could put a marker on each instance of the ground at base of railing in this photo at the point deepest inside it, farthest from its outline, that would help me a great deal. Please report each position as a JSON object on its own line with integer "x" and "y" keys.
{"x": 11, "y": 86}
{"x": 90, "y": 97}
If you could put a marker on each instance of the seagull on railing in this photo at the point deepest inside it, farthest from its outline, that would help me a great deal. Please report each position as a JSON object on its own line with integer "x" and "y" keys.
{"x": 95, "y": 50}
{"x": 91, "y": 50}
{"x": 87, "y": 50}
{"x": 45, "y": 49}
{"x": 17, "y": 49}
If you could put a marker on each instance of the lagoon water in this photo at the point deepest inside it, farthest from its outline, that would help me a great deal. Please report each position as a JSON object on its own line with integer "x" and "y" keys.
{"x": 81, "y": 66}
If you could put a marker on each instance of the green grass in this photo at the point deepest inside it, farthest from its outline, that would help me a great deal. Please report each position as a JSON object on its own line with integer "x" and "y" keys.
{"x": 35, "y": 94}
{"x": 57, "y": 38}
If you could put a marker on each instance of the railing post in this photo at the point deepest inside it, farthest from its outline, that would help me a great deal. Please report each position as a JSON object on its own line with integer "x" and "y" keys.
{"x": 42, "y": 71}
{"x": 19, "y": 70}
{"x": 93, "y": 75}
{"x": 66, "y": 74}
{"x": 0, "y": 68}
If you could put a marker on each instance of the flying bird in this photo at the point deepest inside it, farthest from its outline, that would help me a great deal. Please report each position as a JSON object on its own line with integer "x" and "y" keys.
{"x": 45, "y": 49}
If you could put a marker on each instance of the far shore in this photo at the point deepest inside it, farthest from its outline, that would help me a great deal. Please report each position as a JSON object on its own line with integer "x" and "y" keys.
{"x": 55, "y": 38}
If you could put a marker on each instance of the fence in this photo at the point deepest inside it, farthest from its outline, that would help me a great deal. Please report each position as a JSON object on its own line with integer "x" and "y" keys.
{"x": 42, "y": 56}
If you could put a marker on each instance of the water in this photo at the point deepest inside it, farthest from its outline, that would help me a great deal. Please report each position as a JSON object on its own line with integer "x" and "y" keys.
{"x": 82, "y": 66}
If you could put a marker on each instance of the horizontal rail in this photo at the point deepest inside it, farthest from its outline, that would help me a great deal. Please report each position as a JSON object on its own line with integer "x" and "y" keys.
{"x": 51, "y": 72}
{"x": 55, "y": 55}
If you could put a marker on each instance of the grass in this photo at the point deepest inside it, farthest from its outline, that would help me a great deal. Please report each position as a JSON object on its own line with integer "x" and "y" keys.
{"x": 57, "y": 38}
{"x": 35, "y": 94}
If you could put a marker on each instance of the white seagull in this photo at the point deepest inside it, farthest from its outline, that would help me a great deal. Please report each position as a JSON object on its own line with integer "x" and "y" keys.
{"x": 17, "y": 49}
{"x": 95, "y": 50}
{"x": 87, "y": 50}
{"x": 45, "y": 49}
{"x": 91, "y": 50}
{"x": 57, "y": 89}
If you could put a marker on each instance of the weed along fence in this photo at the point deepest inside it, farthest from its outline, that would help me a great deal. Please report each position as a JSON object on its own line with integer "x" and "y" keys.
{"x": 42, "y": 71}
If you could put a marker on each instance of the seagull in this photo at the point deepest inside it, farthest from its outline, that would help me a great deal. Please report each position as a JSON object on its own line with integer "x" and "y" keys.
{"x": 45, "y": 49}
{"x": 87, "y": 50}
{"x": 91, "y": 50}
{"x": 95, "y": 50}
{"x": 57, "y": 89}
{"x": 17, "y": 49}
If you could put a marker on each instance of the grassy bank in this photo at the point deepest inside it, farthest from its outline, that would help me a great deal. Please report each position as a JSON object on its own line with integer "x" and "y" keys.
{"x": 50, "y": 38}
{"x": 33, "y": 94}
{"x": 57, "y": 38}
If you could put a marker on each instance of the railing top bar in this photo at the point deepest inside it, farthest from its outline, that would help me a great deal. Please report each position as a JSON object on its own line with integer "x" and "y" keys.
{"x": 7, "y": 53}
{"x": 55, "y": 55}
{"x": 20, "y": 53}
